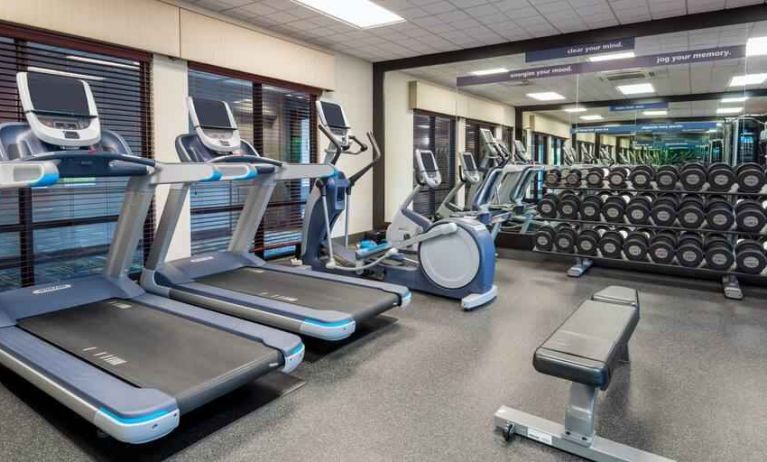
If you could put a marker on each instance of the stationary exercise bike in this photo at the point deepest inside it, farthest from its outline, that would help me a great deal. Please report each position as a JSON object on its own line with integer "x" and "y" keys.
{"x": 453, "y": 258}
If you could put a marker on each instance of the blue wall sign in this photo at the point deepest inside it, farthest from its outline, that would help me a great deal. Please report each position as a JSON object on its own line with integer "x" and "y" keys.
{"x": 662, "y": 59}
{"x": 674, "y": 127}
{"x": 638, "y": 107}
{"x": 610, "y": 46}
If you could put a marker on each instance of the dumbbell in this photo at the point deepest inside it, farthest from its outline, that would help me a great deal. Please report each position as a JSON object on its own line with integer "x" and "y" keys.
{"x": 641, "y": 177}
{"x": 721, "y": 177}
{"x": 719, "y": 214}
{"x": 591, "y": 208}
{"x": 664, "y": 210}
{"x": 750, "y": 216}
{"x": 666, "y": 177}
{"x": 564, "y": 239}
{"x": 573, "y": 177}
{"x": 751, "y": 177}
{"x": 569, "y": 205}
{"x": 689, "y": 250}
{"x": 553, "y": 177}
{"x": 663, "y": 247}
{"x": 719, "y": 255}
{"x": 636, "y": 245}
{"x": 614, "y": 208}
{"x": 544, "y": 238}
{"x": 596, "y": 176}
{"x": 693, "y": 176}
{"x": 617, "y": 177}
{"x": 548, "y": 205}
{"x": 750, "y": 256}
{"x": 691, "y": 212}
{"x": 639, "y": 209}
{"x": 587, "y": 241}
{"x": 611, "y": 243}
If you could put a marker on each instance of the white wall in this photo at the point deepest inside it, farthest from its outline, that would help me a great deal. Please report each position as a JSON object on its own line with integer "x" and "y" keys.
{"x": 398, "y": 118}
{"x": 169, "y": 92}
{"x": 354, "y": 91}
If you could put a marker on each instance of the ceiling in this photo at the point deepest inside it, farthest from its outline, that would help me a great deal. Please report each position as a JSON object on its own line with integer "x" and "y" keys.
{"x": 705, "y": 77}
{"x": 443, "y": 25}
{"x": 679, "y": 110}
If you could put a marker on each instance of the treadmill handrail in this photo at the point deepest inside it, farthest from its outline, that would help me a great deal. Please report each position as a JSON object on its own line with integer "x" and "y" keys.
{"x": 88, "y": 155}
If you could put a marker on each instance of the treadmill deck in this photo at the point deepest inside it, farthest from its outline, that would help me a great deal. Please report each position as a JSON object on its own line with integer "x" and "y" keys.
{"x": 319, "y": 294}
{"x": 149, "y": 348}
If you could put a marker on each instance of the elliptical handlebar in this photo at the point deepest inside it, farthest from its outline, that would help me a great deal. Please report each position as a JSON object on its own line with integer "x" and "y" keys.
{"x": 376, "y": 157}
{"x": 363, "y": 146}
{"x": 341, "y": 147}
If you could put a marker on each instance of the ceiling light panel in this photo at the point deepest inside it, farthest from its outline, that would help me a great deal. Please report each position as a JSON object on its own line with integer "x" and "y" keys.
{"x": 362, "y": 14}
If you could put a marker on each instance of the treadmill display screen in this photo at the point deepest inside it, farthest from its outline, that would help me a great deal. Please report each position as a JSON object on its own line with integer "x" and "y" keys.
{"x": 428, "y": 161}
{"x": 212, "y": 114}
{"x": 487, "y": 135}
{"x": 468, "y": 162}
{"x": 54, "y": 94}
{"x": 334, "y": 116}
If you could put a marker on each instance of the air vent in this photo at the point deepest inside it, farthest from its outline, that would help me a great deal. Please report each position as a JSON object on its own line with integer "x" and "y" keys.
{"x": 623, "y": 75}
{"x": 516, "y": 83}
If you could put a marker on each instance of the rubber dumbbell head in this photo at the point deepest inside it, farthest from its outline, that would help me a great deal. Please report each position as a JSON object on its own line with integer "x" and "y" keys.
{"x": 636, "y": 245}
{"x": 751, "y": 177}
{"x": 596, "y": 177}
{"x": 719, "y": 252}
{"x": 750, "y": 256}
{"x": 639, "y": 209}
{"x": 614, "y": 208}
{"x": 719, "y": 214}
{"x": 569, "y": 206}
{"x": 617, "y": 177}
{"x": 664, "y": 210}
{"x": 611, "y": 243}
{"x": 641, "y": 176}
{"x": 564, "y": 240}
{"x": 587, "y": 242}
{"x": 689, "y": 250}
{"x": 548, "y": 205}
{"x": 666, "y": 177}
{"x": 750, "y": 216}
{"x": 693, "y": 177}
{"x": 721, "y": 177}
{"x": 691, "y": 213}
{"x": 663, "y": 247}
{"x": 544, "y": 238}
{"x": 573, "y": 177}
{"x": 553, "y": 177}
{"x": 591, "y": 208}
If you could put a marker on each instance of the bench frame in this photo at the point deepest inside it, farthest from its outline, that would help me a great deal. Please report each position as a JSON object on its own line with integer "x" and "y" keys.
{"x": 577, "y": 435}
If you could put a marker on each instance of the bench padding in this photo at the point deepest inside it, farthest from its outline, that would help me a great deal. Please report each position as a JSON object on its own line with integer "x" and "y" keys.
{"x": 617, "y": 294}
{"x": 589, "y": 343}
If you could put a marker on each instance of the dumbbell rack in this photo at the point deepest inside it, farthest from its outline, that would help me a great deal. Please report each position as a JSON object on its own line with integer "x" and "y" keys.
{"x": 729, "y": 278}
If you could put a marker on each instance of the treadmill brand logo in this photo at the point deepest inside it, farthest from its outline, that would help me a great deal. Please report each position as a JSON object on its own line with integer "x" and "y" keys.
{"x": 201, "y": 259}
{"x": 46, "y": 290}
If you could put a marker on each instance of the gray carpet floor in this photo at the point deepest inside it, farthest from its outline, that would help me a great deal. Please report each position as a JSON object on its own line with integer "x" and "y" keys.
{"x": 426, "y": 386}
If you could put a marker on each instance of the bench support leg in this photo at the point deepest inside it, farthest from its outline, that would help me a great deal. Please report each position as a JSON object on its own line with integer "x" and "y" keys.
{"x": 580, "y": 415}
{"x": 625, "y": 357}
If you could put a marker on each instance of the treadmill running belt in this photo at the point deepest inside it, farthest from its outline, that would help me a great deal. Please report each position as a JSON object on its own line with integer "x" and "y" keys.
{"x": 319, "y": 294}
{"x": 152, "y": 349}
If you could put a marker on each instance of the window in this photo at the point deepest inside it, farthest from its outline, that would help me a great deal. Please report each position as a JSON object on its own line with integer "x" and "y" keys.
{"x": 507, "y": 136}
{"x": 64, "y": 231}
{"x": 539, "y": 156}
{"x": 278, "y": 122}
{"x": 557, "y": 145}
{"x": 437, "y": 134}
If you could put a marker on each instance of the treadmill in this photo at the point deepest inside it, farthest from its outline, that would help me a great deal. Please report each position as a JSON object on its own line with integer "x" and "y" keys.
{"x": 127, "y": 361}
{"x": 235, "y": 281}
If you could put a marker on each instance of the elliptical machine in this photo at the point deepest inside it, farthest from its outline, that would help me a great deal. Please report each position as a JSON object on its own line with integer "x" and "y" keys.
{"x": 453, "y": 258}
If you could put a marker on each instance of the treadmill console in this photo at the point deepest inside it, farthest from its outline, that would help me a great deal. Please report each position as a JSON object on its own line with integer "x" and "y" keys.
{"x": 60, "y": 110}
{"x": 427, "y": 172}
{"x": 214, "y": 124}
{"x": 469, "y": 171}
{"x": 521, "y": 150}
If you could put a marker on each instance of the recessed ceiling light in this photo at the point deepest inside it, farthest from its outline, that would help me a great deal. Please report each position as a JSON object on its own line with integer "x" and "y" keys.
{"x": 729, "y": 110}
{"x": 756, "y": 46}
{"x": 575, "y": 109}
{"x": 748, "y": 79}
{"x": 489, "y": 71}
{"x": 661, "y": 112}
{"x": 612, "y": 56}
{"x": 592, "y": 117}
{"x": 546, "y": 96}
{"x": 363, "y": 14}
{"x": 734, "y": 99}
{"x": 636, "y": 88}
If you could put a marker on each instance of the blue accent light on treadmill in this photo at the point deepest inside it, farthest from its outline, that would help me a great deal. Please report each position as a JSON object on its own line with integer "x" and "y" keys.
{"x": 134, "y": 420}
{"x": 47, "y": 180}
{"x": 215, "y": 176}
{"x": 295, "y": 351}
{"x": 328, "y": 324}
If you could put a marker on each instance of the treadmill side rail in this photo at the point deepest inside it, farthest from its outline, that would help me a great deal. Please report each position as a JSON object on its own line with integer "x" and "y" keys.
{"x": 134, "y": 415}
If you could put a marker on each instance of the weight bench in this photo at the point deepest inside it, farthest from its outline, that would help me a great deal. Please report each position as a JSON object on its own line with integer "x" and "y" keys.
{"x": 585, "y": 349}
